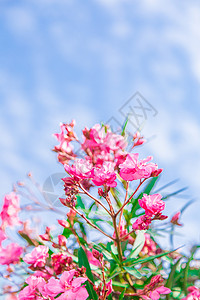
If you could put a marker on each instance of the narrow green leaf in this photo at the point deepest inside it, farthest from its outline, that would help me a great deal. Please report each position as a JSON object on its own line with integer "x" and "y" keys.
{"x": 133, "y": 272}
{"x": 122, "y": 295}
{"x": 144, "y": 260}
{"x": 83, "y": 261}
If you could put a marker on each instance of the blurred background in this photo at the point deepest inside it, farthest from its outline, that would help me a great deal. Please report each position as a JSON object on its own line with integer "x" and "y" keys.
{"x": 62, "y": 60}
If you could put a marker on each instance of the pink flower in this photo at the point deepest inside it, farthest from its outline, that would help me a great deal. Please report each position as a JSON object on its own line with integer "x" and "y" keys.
{"x": 92, "y": 260}
{"x": 109, "y": 287}
{"x": 104, "y": 175}
{"x": 71, "y": 288}
{"x": 10, "y": 254}
{"x": 62, "y": 240}
{"x": 175, "y": 219}
{"x": 52, "y": 288}
{"x": 142, "y": 223}
{"x": 152, "y": 204}
{"x": 59, "y": 262}
{"x": 194, "y": 293}
{"x": 81, "y": 169}
{"x": 154, "y": 289}
{"x": 10, "y": 209}
{"x": 37, "y": 258}
{"x": 30, "y": 292}
{"x": 133, "y": 169}
{"x": 65, "y": 137}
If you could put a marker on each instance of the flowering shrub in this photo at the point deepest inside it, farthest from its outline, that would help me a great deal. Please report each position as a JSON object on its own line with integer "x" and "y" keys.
{"x": 107, "y": 245}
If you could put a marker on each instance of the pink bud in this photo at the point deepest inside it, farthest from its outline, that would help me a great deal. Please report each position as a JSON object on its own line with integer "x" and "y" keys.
{"x": 156, "y": 173}
{"x": 64, "y": 223}
{"x": 62, "y": 240}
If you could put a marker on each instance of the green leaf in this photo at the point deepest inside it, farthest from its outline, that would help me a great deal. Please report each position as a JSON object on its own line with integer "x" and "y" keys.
{"x": 122, "y": 295}
{"x": 133, "y": 272}
{"x": 138, "y": 244}
{"x": 124, "y": 127}
{"x": 147, "y": 259}
{"x": 67, "y": 232}
{"x": 83, "y": 261}
{"x": 80, "y": 202}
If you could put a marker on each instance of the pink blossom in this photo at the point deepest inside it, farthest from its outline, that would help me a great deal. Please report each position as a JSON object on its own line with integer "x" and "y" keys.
{"x": 194, "y": 293}
{"x": 62, "y": 240}
{"x": 152, "y": 204}
{"x": 142, "y": 223}
{"x": 30, "y": 292}
{"x": 71, "y": 288}
{"x": 10, "y": 209}
{"x": 92, "y": 260}
{"x": 104, "y": 175}
{"x": 175, "y": 219}
{"x": 37, "y": 258}
{"x": 81, "y": 169}
{"x": 154, "y": 289}
{"x": 101, "y": 144}
{"x": 133, "y": 169}
{"x": 63, "y": 223}
{"x": 65, "y": 137}
{"x": 52, "y": 288}
{"x": 10, "y": 254}
{"x": 109, "y": 287}
{"x": 59, "y": 262}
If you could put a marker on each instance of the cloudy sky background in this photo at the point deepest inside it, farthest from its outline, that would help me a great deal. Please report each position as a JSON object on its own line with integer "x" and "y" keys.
{"x": 62, "y": 59}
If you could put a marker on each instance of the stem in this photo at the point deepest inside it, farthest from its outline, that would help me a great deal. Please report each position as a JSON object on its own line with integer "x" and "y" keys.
{"x": 95, "y": 199}
{"x": 123, "y": 237}
{"x": 129, "y": 199}
{"x": 121, "y": 213}
{"x": 119, "y": 248}
{"x": 90, "y": 223}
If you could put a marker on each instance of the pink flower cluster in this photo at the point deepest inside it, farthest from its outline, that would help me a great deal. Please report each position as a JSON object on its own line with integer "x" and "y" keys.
{"x": 10, "y": 210}
{"x": 11, "y": 253}
{"x": 133, "y": 169}
{"x": 153, "y": 205}
{"x": 194, "y": 293}
{"x": 101, "y": 144}
{"x": 67, "y": 287}
{"x": 38, "y": 256}
{"x": 154, "y": 289}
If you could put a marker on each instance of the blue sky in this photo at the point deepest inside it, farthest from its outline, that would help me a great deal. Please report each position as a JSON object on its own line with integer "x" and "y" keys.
{"x": 64, "y": 59}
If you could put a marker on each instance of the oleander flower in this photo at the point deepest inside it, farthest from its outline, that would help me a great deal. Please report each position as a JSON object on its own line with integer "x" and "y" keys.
{"x": 133, "y": 169}
{"x": 38, "y": 256}
{"x": 104, "y": 175}
{"x": 194, "y": 293}
{"x": 35, "y": 285}
{"x": 81, "y": 169}
{"x": 70, "y": 287}
{"x": 10, "y": 210}
{"x": 152, "y": 204}
{"x": 154, "y": 289}
{"x": 10, "y": 254}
